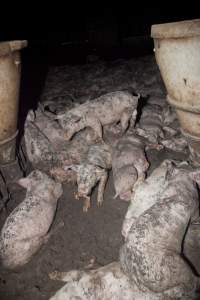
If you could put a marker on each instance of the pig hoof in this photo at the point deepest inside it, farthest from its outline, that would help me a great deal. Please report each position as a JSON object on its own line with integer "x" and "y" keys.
{"x": 86, "y": 204}
{"x": 85, "y": 209}
{"x": 99, "y": 203}
{"x": 76, "y": 196}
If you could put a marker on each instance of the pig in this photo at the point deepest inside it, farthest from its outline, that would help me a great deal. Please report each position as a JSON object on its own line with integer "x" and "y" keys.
{"x": 105, "y": 283}
{"x": 153, "y": 186}
{"x": 150, "y": 123}
{"x": 129, "y": 165}
{"x": 152, "y": 253}
{"x": 92, "y": 171}
{"x": 39, "y": 150}
{"x": 26, "y": 228}
{"x": 49, "y": 127}
{"x": 75, "y": 153}
{"x": 50, "y": 153}
{"x": 107, "y": 109}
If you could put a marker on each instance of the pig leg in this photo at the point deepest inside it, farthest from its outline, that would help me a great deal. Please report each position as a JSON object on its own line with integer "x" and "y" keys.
{"x": 86, "y": 203}
{"x": 141, "y": 174}
{"x": 95, "y": 124}
{"x": 140, "y": 179}
{"x": 124, "y": 120}
{"x": 102, "y": 183}
{"x": 133, "y": 118}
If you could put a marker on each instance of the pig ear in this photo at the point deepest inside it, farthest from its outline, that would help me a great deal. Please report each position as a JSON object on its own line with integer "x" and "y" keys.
{"x": 31, "y": 116}
{"x": 24, "y": 182}
{"x": 195, "y": 175}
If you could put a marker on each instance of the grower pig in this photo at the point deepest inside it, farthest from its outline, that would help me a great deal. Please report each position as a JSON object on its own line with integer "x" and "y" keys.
{"x": 153, "y": 186}
{"x": 107, "y": 109}
{"x": 27, "y": 226}
{"x": 151, "y": 255}
{"x": 75, "y": 153}
{"x": 50, "y": 156}
{"x": 40, "y": 151}
{"x": 49, "y": 127}
{"x": 105, "y": 283}
{"x": 150, "y": 123}
{"x": 129, "y": 165}
{"x": 93, "y": 170}
{"x": 88, "y": 176}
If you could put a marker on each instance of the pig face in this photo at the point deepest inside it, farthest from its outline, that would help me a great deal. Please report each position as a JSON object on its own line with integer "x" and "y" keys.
{"x": 86, "y": 177}
{"x": 70, "y": 123}
{"x": 124, "y": 181}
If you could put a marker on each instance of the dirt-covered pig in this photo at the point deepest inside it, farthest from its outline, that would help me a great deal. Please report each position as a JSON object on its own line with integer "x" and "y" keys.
{"x": 150, "y": 123}
{"x": 26, "y": 228}
{"x": 107, "y": 109}
{"x": 152, "y": 253}
{"x": 92, "y": 171}
{"x": 129, "y": 165}
{"x": 48, "y": 151}
{"x": 105, "y": 283}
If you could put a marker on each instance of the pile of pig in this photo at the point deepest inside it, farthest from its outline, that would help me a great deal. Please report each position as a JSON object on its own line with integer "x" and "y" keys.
{"x": 92, "y": 119}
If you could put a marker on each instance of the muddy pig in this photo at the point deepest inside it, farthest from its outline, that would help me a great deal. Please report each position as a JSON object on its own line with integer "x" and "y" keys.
{"x": 107, "y": 109}
{"x": 105, "y": 283}
{"x": 92, "y": 171}
{"x": 152, "y": 253}
{"x": 26, "y": 228}
{"x": 129, "y": 165}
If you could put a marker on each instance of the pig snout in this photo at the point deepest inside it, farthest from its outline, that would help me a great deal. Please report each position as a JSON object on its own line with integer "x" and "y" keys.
{"x": 83, "y": 189}
{"x": 126, "y": 196}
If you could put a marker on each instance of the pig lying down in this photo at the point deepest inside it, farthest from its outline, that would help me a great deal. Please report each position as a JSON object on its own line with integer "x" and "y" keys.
{"x": 107, "y": 109}
{"x": 152, "y": 253}
{"x": 106, "y": 283}
{"x": 129, "y": 165}
{"x": 26, "y": 228}
{"x": 153, "y": 186}
{"x": 151, "y": 123}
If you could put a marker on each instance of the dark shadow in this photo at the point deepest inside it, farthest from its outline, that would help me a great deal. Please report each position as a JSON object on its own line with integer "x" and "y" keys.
{"x": 141, "y": 103}
{"x": 184, "y": 257}
{"x": 33, "y": 75}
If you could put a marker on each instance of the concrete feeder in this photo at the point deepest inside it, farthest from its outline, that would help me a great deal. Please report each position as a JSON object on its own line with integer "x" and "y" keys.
{"x": 177, "y": 52}
{"x": 10, "y": 71}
